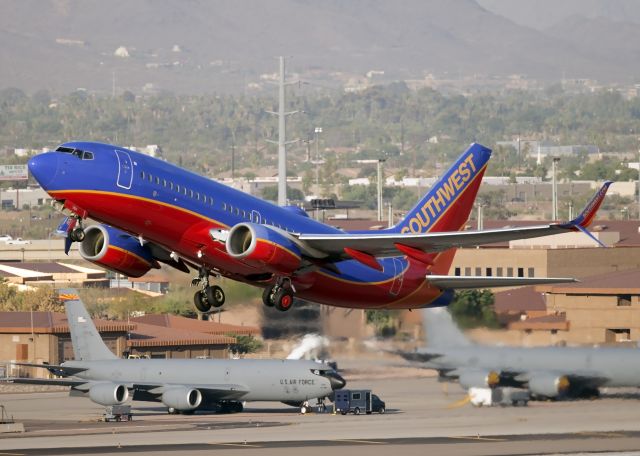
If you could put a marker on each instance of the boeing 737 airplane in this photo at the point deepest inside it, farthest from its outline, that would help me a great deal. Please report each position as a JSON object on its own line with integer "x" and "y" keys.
{"x": 151, "y": 211}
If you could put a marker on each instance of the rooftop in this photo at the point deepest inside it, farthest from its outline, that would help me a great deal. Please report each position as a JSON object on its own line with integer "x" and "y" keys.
{"x": 207, "y": 327}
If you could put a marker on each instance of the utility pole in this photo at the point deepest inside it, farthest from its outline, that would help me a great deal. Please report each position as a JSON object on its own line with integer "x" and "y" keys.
{"x": 282, "y": 142}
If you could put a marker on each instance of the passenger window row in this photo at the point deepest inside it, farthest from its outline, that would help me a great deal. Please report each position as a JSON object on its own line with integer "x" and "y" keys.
{"x": 204, "y": 198}
{"x": 176, "y": 187}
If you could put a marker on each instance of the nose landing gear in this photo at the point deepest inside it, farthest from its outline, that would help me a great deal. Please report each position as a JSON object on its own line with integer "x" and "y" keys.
{"x": 209, "y": 296}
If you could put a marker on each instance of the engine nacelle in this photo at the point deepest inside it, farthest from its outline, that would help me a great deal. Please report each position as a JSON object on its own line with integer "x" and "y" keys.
{"x": 116, "y": 250}
{"x": 479, "y": 379}
{"x": 108, "y": 394}
{"x": 263, "y": 246}
{"x": 182, "y": 398}
{"x": 548, "y": 385}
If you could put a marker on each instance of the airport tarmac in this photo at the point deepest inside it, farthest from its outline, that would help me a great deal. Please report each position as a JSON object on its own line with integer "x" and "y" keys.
{"x": 419, "y": 418}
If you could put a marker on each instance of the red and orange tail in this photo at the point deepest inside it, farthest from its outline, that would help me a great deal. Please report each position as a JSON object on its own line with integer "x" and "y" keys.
{"x": 446, "y": 207}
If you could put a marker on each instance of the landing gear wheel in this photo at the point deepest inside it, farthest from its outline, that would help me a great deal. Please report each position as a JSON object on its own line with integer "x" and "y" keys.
{"x": 201, "y": 302}
{"x": 237, "y": 407}
{"x": 283, "y": 299}
{"x": 267, "y": 297}
{"x": 77, "y": 234}
{"x": 215, "y": 296}
{"x": 303, "y": 409}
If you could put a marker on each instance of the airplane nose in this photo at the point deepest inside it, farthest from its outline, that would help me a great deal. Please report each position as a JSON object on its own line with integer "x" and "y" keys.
{"x": 44, "y": 168}
{"x": 336, "y": 381}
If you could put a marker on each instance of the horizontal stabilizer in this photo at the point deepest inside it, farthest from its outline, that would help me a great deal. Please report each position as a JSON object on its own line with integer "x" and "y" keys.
{"x": 44, "y": 381}
{"x": 463, "y": 282}
{"x": 417, "y": 356}
{"x": 54, "y": 369}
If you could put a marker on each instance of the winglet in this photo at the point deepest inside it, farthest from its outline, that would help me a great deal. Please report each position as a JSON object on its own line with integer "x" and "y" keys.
{"x": 582, "y": 221}
{"x": 589, "y": 212}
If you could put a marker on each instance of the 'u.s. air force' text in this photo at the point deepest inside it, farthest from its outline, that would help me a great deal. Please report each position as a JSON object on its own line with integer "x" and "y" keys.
{"x": 447, "y": 191}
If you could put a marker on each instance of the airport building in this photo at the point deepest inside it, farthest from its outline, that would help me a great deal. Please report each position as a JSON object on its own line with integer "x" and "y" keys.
{"x": 43, "y": 337}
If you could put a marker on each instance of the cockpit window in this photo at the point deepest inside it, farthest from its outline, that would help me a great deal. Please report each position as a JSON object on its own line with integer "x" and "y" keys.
{"x": 66, "y": 150}
{"x": 87, "y": 156}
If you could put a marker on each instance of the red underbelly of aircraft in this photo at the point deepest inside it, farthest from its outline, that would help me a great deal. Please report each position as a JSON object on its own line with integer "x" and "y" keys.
{"x": 176, "y": 229}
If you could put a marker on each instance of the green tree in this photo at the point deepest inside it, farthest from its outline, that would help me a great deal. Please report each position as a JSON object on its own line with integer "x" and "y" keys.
{"x": 384, "y": 322}
{"x": 246, "y": 344}
{"x": 472, "y": 308}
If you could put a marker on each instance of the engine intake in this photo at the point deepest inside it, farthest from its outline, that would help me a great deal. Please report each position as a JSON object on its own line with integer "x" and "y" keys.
{"x": 108, "y": 394}
{"x": 182, "y": 398}
{"x": 116, "y": 251}
{"x": 263, "y": 246}
{"x": 549, "y": 385}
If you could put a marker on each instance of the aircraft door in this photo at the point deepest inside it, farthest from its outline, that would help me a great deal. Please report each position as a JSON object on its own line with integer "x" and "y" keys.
{"x": 398, "y": 276}
{"x": 125, "y": 169}
{"x": 255, "y": 217}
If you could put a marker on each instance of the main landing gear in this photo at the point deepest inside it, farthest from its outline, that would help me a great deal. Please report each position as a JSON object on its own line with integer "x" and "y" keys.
{"x": 209, "y": 296}
{"x": 279, "y": 295}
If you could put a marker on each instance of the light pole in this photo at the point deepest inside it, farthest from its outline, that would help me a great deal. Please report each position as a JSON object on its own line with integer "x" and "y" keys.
{"x": 380, "y": 162}
{"x": 554, "y": 190}
{"x": 318, "y": 130}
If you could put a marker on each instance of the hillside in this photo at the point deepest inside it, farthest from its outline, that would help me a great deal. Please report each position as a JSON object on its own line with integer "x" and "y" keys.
{"x": 223, "y": 45}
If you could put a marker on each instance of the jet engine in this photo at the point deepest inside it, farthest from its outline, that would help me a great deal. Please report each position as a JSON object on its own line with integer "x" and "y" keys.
{"x": 108, "y": 394}
{"x": 263, "y": 246}
{"x": 116, "y": 251}
{"x": 479, "y": 379}
{"x": 549, "y": 385}
{"x": 182, "y": 398}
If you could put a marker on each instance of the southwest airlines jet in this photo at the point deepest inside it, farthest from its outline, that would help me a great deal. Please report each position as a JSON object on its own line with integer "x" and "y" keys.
{"x": 151, "y": 212}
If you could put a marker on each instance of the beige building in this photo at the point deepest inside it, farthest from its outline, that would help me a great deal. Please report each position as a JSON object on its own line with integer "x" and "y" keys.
{"x": 601, "y": 309}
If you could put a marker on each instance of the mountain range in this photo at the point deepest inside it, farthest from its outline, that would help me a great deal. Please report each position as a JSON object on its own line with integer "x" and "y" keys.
{"x": 192, "y": 46}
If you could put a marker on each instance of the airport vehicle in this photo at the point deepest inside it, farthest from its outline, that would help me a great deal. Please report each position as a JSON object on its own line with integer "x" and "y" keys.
{"x": 502, "y": 395}
{"x": 183, "y": 385}
{"x": 358, "y": 401}
{"x": 547, "y": 372}
{"x": 151, "y": 212}
{"x": 117, "y": 413}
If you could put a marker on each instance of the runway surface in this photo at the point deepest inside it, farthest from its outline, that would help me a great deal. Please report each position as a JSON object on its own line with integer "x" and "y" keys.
{"x": 419, "y": 418}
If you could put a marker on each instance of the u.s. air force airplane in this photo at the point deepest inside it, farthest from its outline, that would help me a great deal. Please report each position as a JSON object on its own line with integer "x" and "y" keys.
{"x": 552, "y": 372}
{"x": 151, "y": 211}
{"x": 183, "y": 385}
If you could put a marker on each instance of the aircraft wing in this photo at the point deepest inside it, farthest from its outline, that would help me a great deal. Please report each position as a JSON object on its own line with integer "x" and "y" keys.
{"x": 464, "y": 282}
{"x": 416, "y": 245}
{"x": 225, "y": 391}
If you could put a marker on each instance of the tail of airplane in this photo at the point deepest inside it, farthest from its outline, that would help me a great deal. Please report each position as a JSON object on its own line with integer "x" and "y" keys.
{"x": 446, "y": 207}
{"x": 86, "y": 341}
{"x": 440, "y": 330}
